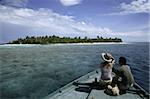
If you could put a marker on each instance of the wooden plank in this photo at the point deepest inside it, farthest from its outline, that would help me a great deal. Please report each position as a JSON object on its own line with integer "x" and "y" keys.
{"x": 69, "y": 92}
{"x": 99, "y": 94}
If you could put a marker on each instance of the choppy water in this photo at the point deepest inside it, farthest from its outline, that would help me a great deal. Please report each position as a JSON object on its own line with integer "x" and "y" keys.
{"x": 34, "y": 71}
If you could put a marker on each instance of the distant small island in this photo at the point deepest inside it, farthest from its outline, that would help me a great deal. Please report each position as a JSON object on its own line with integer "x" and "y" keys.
{"x": 56, "y": 39}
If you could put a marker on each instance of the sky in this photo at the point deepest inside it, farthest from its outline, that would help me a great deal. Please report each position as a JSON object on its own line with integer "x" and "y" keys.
{"x": 125, "y": 19}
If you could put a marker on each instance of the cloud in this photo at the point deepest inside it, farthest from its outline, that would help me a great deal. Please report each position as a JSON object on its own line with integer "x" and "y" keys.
{"x": 136, "y": 6}
{"x": 20, "y": 22}
{"x": 45, "y": 21}
{"x": 133, "y": 36}
{"x": 70, "y": 2}
{"x": 14, "y": 3}
{"x": 138, "y": 33}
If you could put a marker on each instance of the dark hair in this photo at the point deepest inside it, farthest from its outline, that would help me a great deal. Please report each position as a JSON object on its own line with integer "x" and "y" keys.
{"x": 122, "y": 60}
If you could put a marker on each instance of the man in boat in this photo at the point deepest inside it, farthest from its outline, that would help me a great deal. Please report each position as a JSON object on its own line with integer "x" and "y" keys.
{"x": 124, "y": 78}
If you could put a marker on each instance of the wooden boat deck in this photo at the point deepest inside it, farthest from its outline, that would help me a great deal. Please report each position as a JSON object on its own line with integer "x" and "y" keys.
{"x": 99, "y": 94}
{"x": 71, "y": 91}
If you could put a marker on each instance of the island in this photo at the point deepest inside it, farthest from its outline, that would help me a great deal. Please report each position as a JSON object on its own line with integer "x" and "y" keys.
{"x": 56, "y": 39}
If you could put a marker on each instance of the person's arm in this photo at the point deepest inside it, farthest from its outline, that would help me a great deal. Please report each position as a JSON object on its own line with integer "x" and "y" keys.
{"x": 116, "y": 71}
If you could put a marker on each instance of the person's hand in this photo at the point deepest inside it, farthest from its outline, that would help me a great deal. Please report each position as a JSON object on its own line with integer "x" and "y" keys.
{"x": 113, "y": 61}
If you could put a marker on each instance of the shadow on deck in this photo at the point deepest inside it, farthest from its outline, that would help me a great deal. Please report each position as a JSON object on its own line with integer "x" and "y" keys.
{"x": 88, "y": 87}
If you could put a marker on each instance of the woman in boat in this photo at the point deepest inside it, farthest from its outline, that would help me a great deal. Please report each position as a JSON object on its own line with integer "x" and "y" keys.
{"x": 106, "y": 67}
{"x": 124, "y": 78}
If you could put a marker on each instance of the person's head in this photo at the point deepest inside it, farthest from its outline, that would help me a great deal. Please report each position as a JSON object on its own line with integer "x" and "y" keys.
{"x": 107, "y": 57}
{"x": 122, "y": 61}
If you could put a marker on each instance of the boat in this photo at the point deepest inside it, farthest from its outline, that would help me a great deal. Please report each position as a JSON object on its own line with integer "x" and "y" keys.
{"x": 86, "y": 87}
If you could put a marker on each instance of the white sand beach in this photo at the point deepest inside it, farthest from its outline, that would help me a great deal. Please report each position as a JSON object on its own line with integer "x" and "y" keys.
{"x": 66, "y": 44}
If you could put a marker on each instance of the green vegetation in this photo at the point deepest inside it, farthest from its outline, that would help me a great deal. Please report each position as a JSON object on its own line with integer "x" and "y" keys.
{"x": 55, "y": 39}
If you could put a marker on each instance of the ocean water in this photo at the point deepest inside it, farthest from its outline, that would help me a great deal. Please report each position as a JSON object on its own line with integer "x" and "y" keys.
{"x": 34, "y": 71}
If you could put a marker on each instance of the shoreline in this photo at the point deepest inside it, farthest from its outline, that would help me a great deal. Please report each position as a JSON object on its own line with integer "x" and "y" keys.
{"x": 100, "y": 43}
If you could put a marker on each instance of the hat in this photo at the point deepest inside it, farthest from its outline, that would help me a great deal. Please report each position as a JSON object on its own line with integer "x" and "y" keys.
{"x": 107, "y": 57}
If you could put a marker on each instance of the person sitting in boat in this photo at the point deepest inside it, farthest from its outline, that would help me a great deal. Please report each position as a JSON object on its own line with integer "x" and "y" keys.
{"x": 106, "y": 67}
{"x": 124, "y": 78}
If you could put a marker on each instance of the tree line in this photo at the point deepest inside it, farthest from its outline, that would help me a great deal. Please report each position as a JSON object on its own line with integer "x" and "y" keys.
{"x": 56, "y": 39}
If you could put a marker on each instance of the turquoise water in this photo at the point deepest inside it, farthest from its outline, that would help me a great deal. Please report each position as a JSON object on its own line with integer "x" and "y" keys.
{"x": 34, "y": 71}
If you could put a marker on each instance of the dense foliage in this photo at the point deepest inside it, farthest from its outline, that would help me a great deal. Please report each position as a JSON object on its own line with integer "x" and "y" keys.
{"x": 56, "y": 39}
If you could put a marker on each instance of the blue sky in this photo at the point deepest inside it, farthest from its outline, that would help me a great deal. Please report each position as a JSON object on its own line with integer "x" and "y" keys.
{"x": 126, "y": 19}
